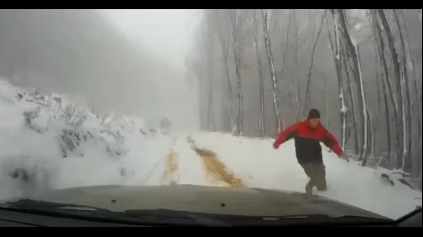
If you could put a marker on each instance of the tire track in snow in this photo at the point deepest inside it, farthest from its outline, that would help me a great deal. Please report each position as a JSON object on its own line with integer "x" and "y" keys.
{"x": 149, "y": 177}
{"x": 215, "y": 168}
{"x": 170, "y": 175}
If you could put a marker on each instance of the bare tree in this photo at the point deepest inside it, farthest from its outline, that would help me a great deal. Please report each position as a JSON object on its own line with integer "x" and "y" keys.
{"x": 353, "y": 52}
{"x": 400, "y": 84}
{"x": 272, "y": 68}
{"x": 313, "y": 50}
{"x": 327, "y": 109}
{"x": 418, "y": 106}
{"x": 238, "y": 42}
{"x": 406, "y": 92}
{"x": 381, "y": 52}
{"x": 414, "y": 105}
{"x": 284, "y": 53}
{"x": 412, "y": 64}
{"x": 370, "y": 135}
{"x": 388, "y": 127}
{"x": 206, "y": 64}
{"x": 296, "y": 87}
{"x": 210, "y": 110}
{"x": 379, "y": 109}
{"x": 261, "y": 77}
{"x": 224, "y": 36}
{"x": 344, "y": 60}
{"x": 283, "y": 66}
{"x": 370, "y": 140}
{"x": 336, "y": 51}
{"x": 366, "y": 116}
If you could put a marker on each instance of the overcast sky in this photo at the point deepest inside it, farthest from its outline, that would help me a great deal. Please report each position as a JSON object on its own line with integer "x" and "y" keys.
{"x": 168, "y": 32}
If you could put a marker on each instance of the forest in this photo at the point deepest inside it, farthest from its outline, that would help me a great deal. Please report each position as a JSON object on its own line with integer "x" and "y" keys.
{"x": 261, "y": 70}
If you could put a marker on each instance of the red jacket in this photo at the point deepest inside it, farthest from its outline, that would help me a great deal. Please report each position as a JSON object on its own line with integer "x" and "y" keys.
{"x": 307, "y": 141}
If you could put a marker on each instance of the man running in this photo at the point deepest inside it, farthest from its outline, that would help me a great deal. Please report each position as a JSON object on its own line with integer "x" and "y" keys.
{"x": 308, "y": 134}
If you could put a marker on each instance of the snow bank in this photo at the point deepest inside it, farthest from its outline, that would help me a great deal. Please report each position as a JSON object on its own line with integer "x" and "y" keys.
{"x": 47, "y": 143}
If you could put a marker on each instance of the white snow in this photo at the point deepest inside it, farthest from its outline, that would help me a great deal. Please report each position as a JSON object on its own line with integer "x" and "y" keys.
{"x": 359, "y": 26}
{"x": 259, "y": 165}
{"x": 354, "y": 41}
{"x": 344, "y": 109}
{"x": 144, "y": 154}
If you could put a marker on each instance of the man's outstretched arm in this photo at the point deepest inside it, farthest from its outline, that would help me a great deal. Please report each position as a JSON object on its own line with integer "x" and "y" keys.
{"x": 285, "y": 135}
{"x": 331, "y": 142}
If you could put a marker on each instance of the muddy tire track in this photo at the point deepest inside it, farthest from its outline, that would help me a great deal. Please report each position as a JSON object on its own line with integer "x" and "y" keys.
{"x": 215, "y": 168}
{"x": 171, "y": 176}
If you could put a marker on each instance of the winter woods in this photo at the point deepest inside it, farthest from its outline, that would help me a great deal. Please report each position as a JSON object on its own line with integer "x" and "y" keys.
{"x": 261, "y": 70}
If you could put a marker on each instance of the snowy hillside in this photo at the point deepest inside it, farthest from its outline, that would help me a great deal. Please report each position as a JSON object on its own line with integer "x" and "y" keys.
{"x": 47, "y": 143}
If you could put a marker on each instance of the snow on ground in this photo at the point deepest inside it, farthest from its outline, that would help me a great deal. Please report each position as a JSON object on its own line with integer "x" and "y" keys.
{"x": 53, "y": 151}
{"x": 256, "y": 163}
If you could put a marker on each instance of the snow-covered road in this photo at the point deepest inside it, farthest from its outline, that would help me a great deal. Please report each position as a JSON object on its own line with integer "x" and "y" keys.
{"x": 223, "y": 160}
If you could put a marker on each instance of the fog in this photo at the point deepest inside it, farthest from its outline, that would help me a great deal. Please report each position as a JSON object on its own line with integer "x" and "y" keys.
{"x": 114, "y": 61}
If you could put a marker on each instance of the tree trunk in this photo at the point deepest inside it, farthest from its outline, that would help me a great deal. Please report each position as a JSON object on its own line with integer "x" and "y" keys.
{"x": 379, "y": 104}
{"x": 272, "y": 70}
{"x": 381, "y": 52}
{"x": 418, "y": 107}
{"x": 406, "y": 91}
{"x": 284, "y": 53}
{"x": 413, "y": 64}
{"x": 237, "y": 60}
{"x": 388, "y": 126}
{"x": 327, "y": 110}
{"x": 354, "y": 54}
{"x": 399, "y": 84}
{"x": 369, "y": 138}
{"x": 261, "y": 78}
{"x": 371, "y": 134}
{"x": 336, "y": 52}
{"x": 230, "y": 95}
{"x": 239, "y": 94}
{"x": 308, "y": 93}
{"x": 210, "y": 110}
{"x": 376, "y": 132}
{"x": 296, "y": 90}
{"x": 352, "y": 103}
{"x": 419, "y": 96}
{"x": 364, "y": 106}
{"x": 286, "y": 43}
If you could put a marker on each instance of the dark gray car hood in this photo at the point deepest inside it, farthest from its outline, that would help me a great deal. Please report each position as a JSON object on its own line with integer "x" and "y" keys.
{"x": 201, "y": 199}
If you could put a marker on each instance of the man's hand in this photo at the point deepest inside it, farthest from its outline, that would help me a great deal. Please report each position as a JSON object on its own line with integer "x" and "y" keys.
{"x": 344, "y": 157}
{"x": 275, "y": 146}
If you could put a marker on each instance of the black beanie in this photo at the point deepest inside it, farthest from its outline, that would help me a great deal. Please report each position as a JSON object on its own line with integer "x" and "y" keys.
{"x": 314, "y": 113}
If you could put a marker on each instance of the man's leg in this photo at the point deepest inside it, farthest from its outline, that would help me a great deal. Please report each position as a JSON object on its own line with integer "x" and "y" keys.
{"x": 309, "y": 169}
{"x": 320, "y": 176}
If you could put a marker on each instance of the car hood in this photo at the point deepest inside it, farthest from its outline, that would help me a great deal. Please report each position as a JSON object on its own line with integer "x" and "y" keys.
{"x": 202, "y": 199}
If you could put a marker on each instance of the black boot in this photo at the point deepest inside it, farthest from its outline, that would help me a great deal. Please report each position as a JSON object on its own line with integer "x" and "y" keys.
{"x": 309, "y": 189}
